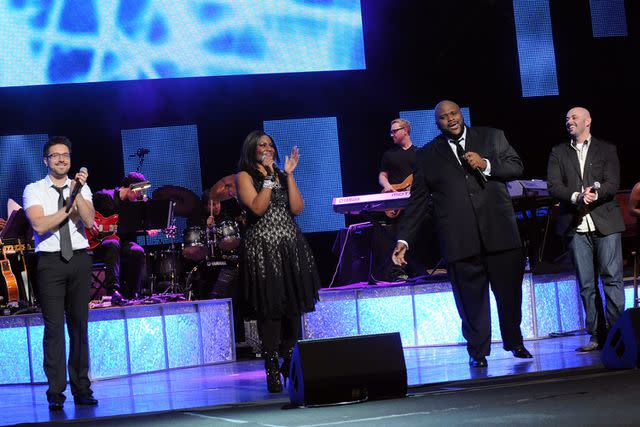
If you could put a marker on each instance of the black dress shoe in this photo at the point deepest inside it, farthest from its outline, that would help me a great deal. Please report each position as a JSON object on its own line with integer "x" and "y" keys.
{"x": 478, "y": 362}
{"x": 591, "y": 346}
{"x": 56, "y": 406}
{"x": 521, "y": 352}
{"x": 86, "y": 400}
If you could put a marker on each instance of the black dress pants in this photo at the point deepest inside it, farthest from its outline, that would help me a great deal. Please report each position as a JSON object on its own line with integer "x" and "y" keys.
{"x": 63, "y": 289}
{"x": 470, "y": 279}
{"x": 125, "y": 266}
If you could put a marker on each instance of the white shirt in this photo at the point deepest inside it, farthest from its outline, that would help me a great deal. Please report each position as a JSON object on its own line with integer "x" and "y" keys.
{"x": 462, "y": 143}
{"x": 586, "y": 223}
{"x": 42, "y": 193}
{"x": 452, "y": 144}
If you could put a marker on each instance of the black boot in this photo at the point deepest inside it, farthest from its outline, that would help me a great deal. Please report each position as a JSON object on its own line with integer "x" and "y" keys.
{"x": 286, "y": 364}
{"x": 274, "y": 383}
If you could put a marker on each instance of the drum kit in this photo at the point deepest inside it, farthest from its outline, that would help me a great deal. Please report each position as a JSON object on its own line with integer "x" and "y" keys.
{"x": 210, "y": 246}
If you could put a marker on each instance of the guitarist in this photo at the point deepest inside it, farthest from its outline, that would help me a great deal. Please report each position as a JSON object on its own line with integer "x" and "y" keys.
{"x": 396, "y": 168}
{"x": 396, "y": 174}
{"x": 124, "y": 259}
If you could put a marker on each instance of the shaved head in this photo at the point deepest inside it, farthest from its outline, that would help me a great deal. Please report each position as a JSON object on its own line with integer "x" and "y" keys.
{"x": 449, "y": 118}
{"x": 578, "y": 123}
{"x": 445, "y": 104}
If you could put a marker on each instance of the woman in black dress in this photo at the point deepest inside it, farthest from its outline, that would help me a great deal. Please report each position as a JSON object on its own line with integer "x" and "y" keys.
{"x": 279, "y": 276}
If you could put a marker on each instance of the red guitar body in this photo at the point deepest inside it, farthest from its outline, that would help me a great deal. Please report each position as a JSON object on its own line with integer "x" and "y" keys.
{"x": 106, "y": 230}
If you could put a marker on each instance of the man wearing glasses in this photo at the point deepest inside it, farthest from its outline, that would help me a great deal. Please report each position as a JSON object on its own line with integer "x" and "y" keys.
{"x": 64, "y": 270}
{"x": 398, "y": 162}
{"x": 396, "y": 174}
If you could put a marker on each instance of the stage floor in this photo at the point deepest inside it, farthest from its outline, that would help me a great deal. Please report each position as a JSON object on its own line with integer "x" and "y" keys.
{"x": 244, "y": 382}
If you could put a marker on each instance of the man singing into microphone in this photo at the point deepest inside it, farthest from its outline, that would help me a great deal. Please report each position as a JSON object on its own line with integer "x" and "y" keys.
{"x": 460, "y": 185}
{"x": 590, "y": 219}
{"x": 64, "y": 270}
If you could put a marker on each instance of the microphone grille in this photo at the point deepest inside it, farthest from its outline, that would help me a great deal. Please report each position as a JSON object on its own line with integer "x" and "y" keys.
{"x": 83, "y": 169}
{"x": 596, "y": 185}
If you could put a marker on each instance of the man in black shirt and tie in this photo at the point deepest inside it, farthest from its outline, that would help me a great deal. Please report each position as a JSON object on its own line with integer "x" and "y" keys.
{"x": 460, "y": 185}
{"x": 64, "y": 270}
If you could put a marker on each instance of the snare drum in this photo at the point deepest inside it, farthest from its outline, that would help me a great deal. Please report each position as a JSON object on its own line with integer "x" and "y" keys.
{"x": 195, "y": 243}
{"x": 228, "y": 234}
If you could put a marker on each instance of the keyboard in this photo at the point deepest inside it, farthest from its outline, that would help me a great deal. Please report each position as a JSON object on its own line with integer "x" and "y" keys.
{"x": 377, "y": 202}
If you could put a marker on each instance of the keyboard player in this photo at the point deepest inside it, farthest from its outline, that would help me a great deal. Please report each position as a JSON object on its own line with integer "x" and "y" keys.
{"x": 396, "y": 174}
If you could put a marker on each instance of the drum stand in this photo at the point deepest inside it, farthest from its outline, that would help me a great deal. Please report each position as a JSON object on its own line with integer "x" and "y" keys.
{"x": 212, "y": 242}
{"x": 174, "y": 286}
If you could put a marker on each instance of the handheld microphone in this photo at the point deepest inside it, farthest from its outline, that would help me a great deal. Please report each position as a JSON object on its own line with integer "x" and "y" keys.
{"x": 479, "y": 173}
{"x": 76, "y": 190}
{"x": 595, "y": 187}
{"x": 276, "y": 169}
{"x": 482, "y": 176}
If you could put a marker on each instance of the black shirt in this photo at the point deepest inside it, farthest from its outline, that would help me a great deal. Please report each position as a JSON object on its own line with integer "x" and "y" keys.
{"x": 107, "y": 203}
{"x": 398, "y": 163}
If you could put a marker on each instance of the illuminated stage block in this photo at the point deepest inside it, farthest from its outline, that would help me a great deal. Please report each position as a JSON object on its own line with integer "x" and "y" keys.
{"x": 426, "y": 314}
{"x": 127, "y": 340}
{"x": 387, "y": 309}
{"x": 336, "y": 315}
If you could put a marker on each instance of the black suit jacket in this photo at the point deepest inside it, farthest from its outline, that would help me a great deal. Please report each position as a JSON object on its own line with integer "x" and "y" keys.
{"x": 564, "y": 179}
{"x": 469, "y": 217}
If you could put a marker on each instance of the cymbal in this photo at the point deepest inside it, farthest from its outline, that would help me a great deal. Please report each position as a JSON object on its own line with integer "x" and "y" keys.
{"x": 224, "y": 189}
{"x": 187, "y": 202}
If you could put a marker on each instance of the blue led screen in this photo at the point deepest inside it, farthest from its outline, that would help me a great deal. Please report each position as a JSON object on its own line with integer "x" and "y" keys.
{"x": 22, "y": 164}
{"x": 423, "y": 124}
{"x": 173, "y": 159}
{"x": 318, "y": 174}
{"x": 75, "y": 41}
{"x": 608, "y": 18}
{"x": 536, "y": 53}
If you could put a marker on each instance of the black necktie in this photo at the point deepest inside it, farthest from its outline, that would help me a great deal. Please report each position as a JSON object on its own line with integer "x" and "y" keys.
{"x": 66, "y": 249}
{"x": 460, "y": 152}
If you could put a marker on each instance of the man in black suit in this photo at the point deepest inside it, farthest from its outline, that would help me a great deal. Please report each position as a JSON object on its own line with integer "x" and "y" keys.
{"x": 584, "y": 175}
{"x": 460, "y": 185}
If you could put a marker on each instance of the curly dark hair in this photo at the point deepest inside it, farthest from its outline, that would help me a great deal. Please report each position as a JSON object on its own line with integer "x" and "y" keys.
{"x": 55, "y": 140}
{"x": 132, "y": 178}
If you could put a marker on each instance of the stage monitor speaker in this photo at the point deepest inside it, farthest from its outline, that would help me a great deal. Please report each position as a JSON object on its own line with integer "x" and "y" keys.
{"x": 347, "y": 369}
{"x": 620, "y": 350}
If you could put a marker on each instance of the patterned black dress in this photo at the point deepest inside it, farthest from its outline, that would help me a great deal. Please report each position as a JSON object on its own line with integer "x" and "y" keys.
{"x": 279, "y": 275}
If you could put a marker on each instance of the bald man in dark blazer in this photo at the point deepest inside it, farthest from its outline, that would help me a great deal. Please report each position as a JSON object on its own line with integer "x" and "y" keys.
{"x": 590, "y": 219}
{"x": 460, "y": 186}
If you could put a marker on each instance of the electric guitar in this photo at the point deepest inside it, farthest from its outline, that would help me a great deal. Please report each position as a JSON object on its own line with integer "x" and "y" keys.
{"x": 13, "y": 295}
{"x": 106, "y": 230}
{"x": 403, "y": 186}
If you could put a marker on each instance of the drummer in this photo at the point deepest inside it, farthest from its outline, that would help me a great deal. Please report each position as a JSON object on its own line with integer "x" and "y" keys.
{"x": 220, "y": 203}
{"x": 124, "y": 259}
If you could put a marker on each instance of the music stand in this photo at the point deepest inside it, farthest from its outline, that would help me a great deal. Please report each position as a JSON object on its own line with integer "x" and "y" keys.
{"x": 17, "y": 226}
{"x": 138, "y": 217}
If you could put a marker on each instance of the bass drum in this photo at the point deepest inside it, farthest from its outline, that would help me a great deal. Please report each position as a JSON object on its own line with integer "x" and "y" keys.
{"x": 194, "y": 244}
{"x": 228, "y": 235}
{"x": 165, "y": 265}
